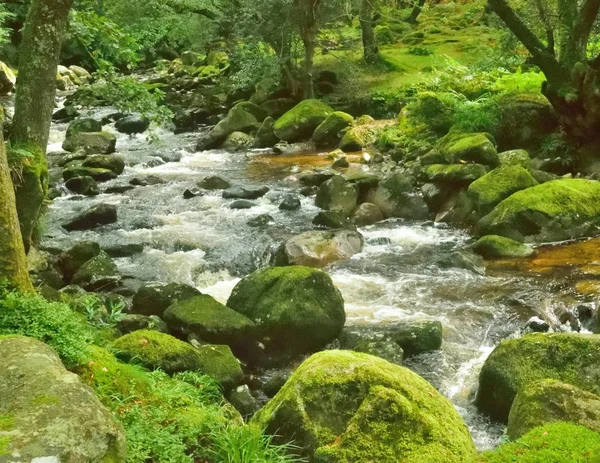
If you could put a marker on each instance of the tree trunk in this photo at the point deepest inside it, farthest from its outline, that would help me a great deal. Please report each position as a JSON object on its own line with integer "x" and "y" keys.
{"x": 416, "y": 11}
{"x": 36, "y": 90}
{"x": 310, "y": 44}
{"x": 371, "y": 51}
{"x": 13, "y": 263}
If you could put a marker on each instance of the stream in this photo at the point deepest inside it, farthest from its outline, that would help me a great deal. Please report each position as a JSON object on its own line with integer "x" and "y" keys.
{"x": 201, "y": 241}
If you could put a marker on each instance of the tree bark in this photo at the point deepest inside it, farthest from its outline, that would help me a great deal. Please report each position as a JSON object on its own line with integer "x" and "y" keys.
{"x": 36, "y": 90}
{"x": 309, "y": 30}
{"x": 416, "y": 11}
{"x": 366, "y": 17}
{"x": 13, "y": 263}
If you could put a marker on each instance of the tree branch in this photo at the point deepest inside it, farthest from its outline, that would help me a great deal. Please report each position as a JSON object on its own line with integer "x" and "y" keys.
{"x": 585, "y": 21}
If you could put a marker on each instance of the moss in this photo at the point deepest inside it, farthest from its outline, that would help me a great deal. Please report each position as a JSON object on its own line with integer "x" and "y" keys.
{"x": 357, "y": 138}
{"x": 219, "y": 363}
{"x": 554, "y": 443}
{"x": 97, "y": 173}
{"x": 566, "y": 357}
{"x": 454, "y": 173}
{"x": 515, "y": 158}
{"x": 83, "y": 125}
{"x": 99, "y": 272}
{"x": 4, "y": 445}
{"x": 556, "y": 210}
{"x": 546, "y": 401}
{"x": 478, "y": 148}
{"x": 209, "y": 319}
{"x": 153, "y": 349}
{"x": 327, "y": 133}
{"x": 343, "y": 406}
{"x": 113, "y": 163}
{"x": 7, "y": 422}
{"x": 46, "y": 399}
{"x": 258, "y": 112}
{"x": 300, "y": 122}
{"x": 429, "y": 110}
{"x": 384, "y": 35}
{"x": 495, "y": 247}
{"x": 296, "y": 309}
{"x": 91, "y": 143}
{"x": 495, "y": 186}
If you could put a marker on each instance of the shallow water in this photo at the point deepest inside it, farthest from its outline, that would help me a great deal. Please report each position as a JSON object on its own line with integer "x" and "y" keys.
{"x": 201, "y": 241}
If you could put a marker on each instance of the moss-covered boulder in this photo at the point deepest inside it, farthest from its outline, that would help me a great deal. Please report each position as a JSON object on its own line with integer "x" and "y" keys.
{"x": 98, "y": 273}
{"x": 155, "y": 298}
{"x": 97, "y": 173}
{"x": 77, "y": 255}
{"x": 210, "y": 320}
{"x": 428, "y": 110}
{"x": 454, "y": 173}
{"x": 7, "y": 79}
{"x": 338, "y": 195}
{"x": 48, "y": 413}
{"x": 319, "y": 248}
{"x": 515, "y": 158}
{"x": 497, "y": 247}
{"x": 91, "y": 143}
{"x": 546, "y": 401}
{"x": 357, "y": 138}
{"x": 326, "y": 134}
{"x": 367, "y": 214}
{"x": 566, "y": 357}
{"x": 132, "y": 124}
{"x": 300, "y": 122}
{"x": 495, "y": 186}
{"x": 556, "y": 210}
{"x": 219, "y": 363}
{"x": 84, "y": 185}
{"x": 265, "y": 136}
{"x": 396, "y": 196}
{"x": 237, "y": 141}
{"x": 113, "y": 163}
{"x": 477, "y": 148}
{"x": 556, "y": 443}
{"x": 86, "y": 124}
{"x": 296, "y": 309}
{"x": 237, "y": 120}
{"x": 258, "y": 112}
{"x": 342, "y": 406}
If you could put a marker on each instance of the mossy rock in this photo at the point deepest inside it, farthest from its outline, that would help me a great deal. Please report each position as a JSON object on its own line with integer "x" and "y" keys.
{"x": 155, "y": 298}
{"x": 258, "y": 112}
{"x": 83, "y": 125}
{"x": 297, "y": 310}
{"x": 265, "y": 136}
{"x": 515, "y": 158}
{"x": 100, "y": 272}
{"x": 326, "y": 134}
{"x": 357, "y": 138}
{"x": 210, "y": 320}
{"x": 78, "y": 255}
{"x": 497, "y": 247}
{"x": 553, "y": 443}
{"x": 428, "y": 110}
{"x": 454, "y": 173}
{"x": 546, "y": 401}
{"x": 97, "y": 173}
{"x": 495, "y": 186}
{"x": 113, "y": 163}
{"x": 153, "y": 350}
{"x": 48, "y": 413}
{"x": 91, "y": 143}
{"x": 566, "y": 357}
{"x": 556, "y": 210}
{"x": 95, "y": 216}
{"x": 396, "y": 196}
{"x": 85, "y": 185}
{"x": 342, "y": 406}
{"x": 237, "y": 120}
{"x": 219, "y": 363}
{"x": 477, "y": 148}
{"x": 337, "y": 195}
{"x": 300, "y": 122}
{"x": 237, "y": 141}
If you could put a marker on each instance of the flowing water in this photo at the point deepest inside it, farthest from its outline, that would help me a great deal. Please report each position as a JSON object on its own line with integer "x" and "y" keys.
{"x": 201, "y": 241}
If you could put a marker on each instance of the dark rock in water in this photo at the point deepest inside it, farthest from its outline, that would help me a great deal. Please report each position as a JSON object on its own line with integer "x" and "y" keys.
{"x": 54, "y": 193}
{"x": 340, "y": 163}
{"x": 192, "y": 193}
{"x": 243, "y": 401}
{"x": 337, "y": 195}
{"x": 315, "y": 178}
{"x": 385, "y": 349}
{"x": 290, "y": 203}
{"x": 83, "y": 125}
{"x": 154, "y": 299}
{"x": 537, "y": 325}
{"x": 242, "y": 204}
{"x": 463, "y": 260}
{"x": 132, "y": 124}
{"x": 308, "y": 191}
{"x": 113, "y": 163}
{"x": 245, "y": 192}
{"x": 49, "y": 413}
{"x": 101, "y": 214}
{"x": 188, "y": 120}
{"x": 274, "y": 384}
{"x": 75, "y": 257}
{"x": 83, "y": 185}
{"x": 98, "y": 273}
{"x": 145, "y": 181}
{"x": 118, "y": 189}
{"x": 98, "y": 174}
{"x": 330, "y": 219}
{"x": 434, "y": 196}
{"x": 414, "y": 338}
{"x": 91, "y": 143}
{"x": 65, "y": 114}
{"x": 214, "y": 183}
{"x": 124, "y": 250}
{"x": 113, "y": 117}
{"x": 65, "y": 160}
{"x": 265, "y": 136}
{"x": 135, "y": 322}
{"x": 260, "y": 220}
{"x": 367, "y": 214}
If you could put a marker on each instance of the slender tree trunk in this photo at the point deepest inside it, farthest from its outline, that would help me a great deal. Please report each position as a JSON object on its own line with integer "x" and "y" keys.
{"x": 416, "y": 11}
{"x": 36, "y": 90}
{"x": 13, "y": 263}
{"x": 310, "y": 44}
{"x": 371, "y": 51}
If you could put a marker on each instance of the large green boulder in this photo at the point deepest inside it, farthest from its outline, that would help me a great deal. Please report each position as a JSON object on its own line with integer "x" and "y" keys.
{"x": 515, "y": 158}
{"x": 258, "y": 112}
{"x": 48, "y": 414}
{"x": 155, "y": 298}
{"x": 456, "y": 148}
{"x": 100, "y": 272}
{"x": 86, "y": 124}
{"x": 497, "y": 247}
{"x": 495, "y": 186}
{"x": 553, "y": 443}
{"x": 300, "y": 122}
{"x": 210, "y": 320}
{"x": 265, "y": 136}
{"x": 91, "y": 143}
{"x": 338, "y": 195}
{"x": 219, "y": 363}
{"x": 357, "y": 138}
{"x": 113, "y": 163}
{"x": 427, "y": 110}
{"x": 566, "y": 357}
{"x": 454, "y": 173}
{"x": 546, "y": 401}
{"x": 99, "y": 174}
{"x": 396, "y": 196}
{"x": 326, "y": 134}
{"x": 556, "y": 210}
{"x": 343, "y": 406}
{"x": 297, "y": 310}
{"x": 237, "y": 120}
{"x": 77, "y": 255}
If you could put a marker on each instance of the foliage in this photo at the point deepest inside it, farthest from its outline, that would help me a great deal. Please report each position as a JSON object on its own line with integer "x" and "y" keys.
{"x": 254, "y": 62}
{"x": 101, "y": 315}
{"x": 4, "y": 15}
{"x": 51, "y": 322}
